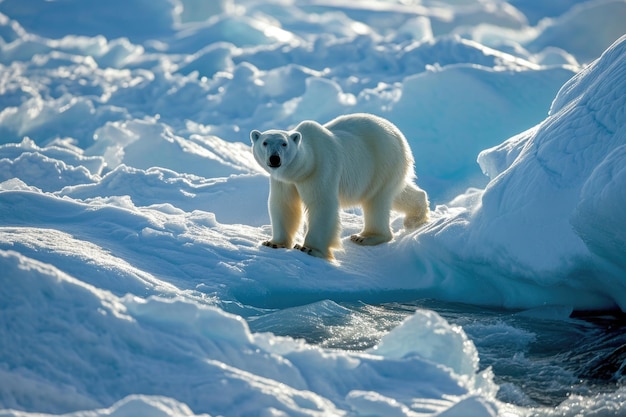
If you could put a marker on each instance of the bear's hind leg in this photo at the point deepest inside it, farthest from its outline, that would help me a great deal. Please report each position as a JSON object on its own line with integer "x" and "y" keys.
{"x": 413, "y": 202}
{"x": 376, "y": 229}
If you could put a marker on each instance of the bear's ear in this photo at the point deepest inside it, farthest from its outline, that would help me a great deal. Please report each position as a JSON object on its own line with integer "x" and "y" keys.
{"x": 255, "y": 135}
{"x": 295, "y": 137}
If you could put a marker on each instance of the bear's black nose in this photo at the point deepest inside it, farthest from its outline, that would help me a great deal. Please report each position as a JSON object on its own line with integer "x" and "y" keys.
{"x": 274, "y": 161}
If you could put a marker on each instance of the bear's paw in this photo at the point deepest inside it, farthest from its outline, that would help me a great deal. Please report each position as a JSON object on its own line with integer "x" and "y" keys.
{"x": 369, "y": 240}
{"x": 304, "y": 249}
{"x": 313, "y": 252}
{"x": 273, "y": 245}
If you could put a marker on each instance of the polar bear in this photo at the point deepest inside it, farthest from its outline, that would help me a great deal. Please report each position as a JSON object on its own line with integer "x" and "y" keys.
{"x": 357, "y": 159}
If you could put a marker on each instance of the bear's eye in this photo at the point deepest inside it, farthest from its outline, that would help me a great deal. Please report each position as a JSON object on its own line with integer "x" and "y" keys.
{"x": 284, "y": 145}
{"x": 264, "y": 143}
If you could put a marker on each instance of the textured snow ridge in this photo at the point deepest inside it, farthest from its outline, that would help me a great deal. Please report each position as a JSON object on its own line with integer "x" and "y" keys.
{"x": 110, "y": 347}
{"x": 554, "y": 205}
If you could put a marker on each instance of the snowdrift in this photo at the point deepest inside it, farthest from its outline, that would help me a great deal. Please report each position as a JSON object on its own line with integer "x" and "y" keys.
{"x": 552, "y": 208}
{"x": 107, "y": 347}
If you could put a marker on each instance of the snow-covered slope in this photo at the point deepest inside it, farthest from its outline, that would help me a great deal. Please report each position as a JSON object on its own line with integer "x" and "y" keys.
{"x": 551, "y": 215}
{"x": 109, "y": 348}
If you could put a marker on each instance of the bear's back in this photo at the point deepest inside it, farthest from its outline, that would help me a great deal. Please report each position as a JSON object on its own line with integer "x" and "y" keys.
{"x": 375, "y": 155}
{"x": 364, "y": 124}
{"x": 372, "y": 134}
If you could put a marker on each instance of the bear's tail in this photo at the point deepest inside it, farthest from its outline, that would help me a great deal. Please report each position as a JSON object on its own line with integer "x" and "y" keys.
{"x": 412, "y": 201}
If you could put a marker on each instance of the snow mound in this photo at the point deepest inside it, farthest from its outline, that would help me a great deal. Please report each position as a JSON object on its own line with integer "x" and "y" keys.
{"x": 538, "y": 215}
{"x": 193, "y": 353}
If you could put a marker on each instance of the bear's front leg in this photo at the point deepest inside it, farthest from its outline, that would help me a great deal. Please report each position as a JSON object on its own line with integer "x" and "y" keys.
{"x": 323, "y": 228}
{"x": 285, "y": 209}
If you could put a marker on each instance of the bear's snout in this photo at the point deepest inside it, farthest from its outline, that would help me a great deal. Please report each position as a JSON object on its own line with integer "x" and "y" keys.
{"x": 274, "y": 161}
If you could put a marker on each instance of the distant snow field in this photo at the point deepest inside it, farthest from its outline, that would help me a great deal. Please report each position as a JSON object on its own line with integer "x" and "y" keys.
{"x": 133, "y": 282}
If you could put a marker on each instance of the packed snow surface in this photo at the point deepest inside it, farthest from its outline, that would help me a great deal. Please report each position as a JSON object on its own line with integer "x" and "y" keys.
{"x": 131, "y": 208}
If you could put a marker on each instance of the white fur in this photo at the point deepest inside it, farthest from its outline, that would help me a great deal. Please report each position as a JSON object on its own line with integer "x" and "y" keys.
{"x": 357, "y": 159}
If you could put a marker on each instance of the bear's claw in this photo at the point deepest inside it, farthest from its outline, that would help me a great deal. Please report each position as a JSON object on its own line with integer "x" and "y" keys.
{"x": 357, "y": 239}
{"x": 273, "y": 245}
{"x": 369, "y": 240}
{"x": 304, "y": 249}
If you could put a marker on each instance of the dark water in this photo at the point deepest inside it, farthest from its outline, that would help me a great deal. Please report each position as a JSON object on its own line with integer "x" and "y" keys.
{"x": 539, "y": 357}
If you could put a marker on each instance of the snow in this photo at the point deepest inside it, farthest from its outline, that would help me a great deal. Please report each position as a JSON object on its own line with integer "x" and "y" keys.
{"x": 133, "y": 281}
{"x": 127, "y": 342}
{"x": 559, "y": 160}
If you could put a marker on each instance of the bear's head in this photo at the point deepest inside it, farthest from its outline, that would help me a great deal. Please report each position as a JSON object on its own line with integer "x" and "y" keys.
{"x": 275, "y": 149}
